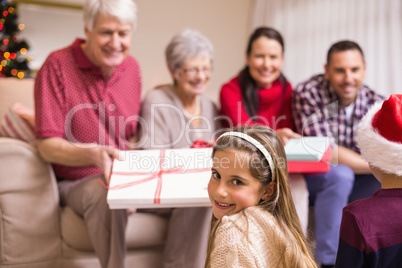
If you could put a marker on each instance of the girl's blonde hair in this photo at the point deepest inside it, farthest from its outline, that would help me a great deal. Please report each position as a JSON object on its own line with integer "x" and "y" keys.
{"x": 280, "y": 204}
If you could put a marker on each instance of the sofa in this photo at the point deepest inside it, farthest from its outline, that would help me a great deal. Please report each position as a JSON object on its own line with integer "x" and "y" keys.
{"x": 35, "y": 231}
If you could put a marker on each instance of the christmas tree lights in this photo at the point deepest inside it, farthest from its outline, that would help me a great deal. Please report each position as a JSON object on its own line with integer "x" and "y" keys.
{"x": 13, "y": 58}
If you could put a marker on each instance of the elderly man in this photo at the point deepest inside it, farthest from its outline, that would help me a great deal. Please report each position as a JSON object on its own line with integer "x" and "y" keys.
{"x": 332, "y": 104}
{"x": 82, "y": 93}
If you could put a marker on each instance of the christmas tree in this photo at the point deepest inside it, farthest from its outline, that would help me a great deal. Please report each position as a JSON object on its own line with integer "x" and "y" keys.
{"x": 13, "y": 58}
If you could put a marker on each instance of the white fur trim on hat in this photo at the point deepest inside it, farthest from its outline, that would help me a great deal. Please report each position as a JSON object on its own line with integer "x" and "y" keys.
{"x": 377, "y": 150}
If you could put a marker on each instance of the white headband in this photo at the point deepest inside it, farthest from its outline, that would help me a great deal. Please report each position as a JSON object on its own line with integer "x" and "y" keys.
{"x": 257, "y": 144}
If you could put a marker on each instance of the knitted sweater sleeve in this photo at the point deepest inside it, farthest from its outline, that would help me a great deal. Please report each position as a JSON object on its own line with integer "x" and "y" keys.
{"x": 232, "y": 107}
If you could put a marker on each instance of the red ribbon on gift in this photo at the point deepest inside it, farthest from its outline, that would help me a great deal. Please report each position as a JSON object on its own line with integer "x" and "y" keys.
{"x": 153, "y": 176}
{"x": 201, "y": 144}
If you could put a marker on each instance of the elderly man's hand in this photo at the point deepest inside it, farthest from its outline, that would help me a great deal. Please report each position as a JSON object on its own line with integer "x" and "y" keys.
{"x": 60, "y": 151}
{"x": 103, "y": 157}
{"x": 285, "y": 134}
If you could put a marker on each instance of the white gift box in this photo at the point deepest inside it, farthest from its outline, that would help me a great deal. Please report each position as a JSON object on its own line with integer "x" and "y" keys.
{"x": 306, "y": 148}
{"x": 308, "y": 155}
{"x": 161, "y": 178}
{"x": 179, "y": 177}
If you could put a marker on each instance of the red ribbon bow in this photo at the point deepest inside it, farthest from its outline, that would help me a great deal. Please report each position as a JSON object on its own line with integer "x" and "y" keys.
{"x": 201, "y": 144}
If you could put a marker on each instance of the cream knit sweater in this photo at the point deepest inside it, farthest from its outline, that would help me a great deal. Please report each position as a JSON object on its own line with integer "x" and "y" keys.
{"x": 251, "y": 238}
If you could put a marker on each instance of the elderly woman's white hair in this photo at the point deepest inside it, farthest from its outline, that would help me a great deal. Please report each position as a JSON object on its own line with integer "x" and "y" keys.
{"x": 186, "y": 45}
{"x": 124, "y": 10}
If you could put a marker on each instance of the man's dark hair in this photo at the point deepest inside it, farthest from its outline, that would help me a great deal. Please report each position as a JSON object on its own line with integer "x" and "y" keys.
{"x": 343, "y": 46}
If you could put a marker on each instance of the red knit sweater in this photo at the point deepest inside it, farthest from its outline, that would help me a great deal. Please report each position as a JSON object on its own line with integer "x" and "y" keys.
{"x": 274, "y": 108}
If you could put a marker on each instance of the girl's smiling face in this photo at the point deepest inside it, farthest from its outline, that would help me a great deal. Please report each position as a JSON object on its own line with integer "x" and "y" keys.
{"x": 232, "y": 188}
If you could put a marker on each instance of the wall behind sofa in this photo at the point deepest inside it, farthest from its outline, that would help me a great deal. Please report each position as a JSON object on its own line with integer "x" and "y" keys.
{"x": 224, "y": 22}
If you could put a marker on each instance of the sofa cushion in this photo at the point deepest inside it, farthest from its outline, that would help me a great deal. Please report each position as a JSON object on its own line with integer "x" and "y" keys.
{"x": 19, "y": 122}
{"x": 143, "y": 230}
{"x": 146, "y": 230}
{"x": 15, "y": 90}
{"x": 29, "y": 205}
{"x": 74, "y": 231}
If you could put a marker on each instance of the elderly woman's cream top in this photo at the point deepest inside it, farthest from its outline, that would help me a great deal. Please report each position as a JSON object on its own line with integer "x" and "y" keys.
{"x": 164, "y": 124}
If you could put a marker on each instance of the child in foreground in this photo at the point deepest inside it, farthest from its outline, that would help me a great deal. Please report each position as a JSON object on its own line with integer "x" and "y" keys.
{"x": 371, "y": 228}
{"x": 254, "y": 221}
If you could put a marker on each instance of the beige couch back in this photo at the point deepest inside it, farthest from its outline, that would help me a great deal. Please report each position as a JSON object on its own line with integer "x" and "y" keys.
{"x": 15, "y": 90}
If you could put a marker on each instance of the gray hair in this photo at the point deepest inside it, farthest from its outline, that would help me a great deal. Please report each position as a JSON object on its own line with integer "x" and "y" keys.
{"x": 124, "y": 10}
{"x": 185, "y": 45}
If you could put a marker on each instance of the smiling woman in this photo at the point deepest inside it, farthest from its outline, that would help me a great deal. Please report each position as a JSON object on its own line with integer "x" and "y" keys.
{"x": 260, "y": 94}
{"x": 175, "y": 116}
{"x": 179, "y": 113}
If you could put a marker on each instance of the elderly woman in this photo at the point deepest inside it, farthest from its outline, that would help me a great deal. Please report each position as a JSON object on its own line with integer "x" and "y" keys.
{"x": 175, "y": 116}
{"x": 178, "y": 114}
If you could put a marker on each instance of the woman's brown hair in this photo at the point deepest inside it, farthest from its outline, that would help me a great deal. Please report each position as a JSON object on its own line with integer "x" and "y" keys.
{"x": 249, "y": 90}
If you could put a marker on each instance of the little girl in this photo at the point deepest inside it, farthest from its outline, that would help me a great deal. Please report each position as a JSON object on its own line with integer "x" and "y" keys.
{"x": 254, "y": 221}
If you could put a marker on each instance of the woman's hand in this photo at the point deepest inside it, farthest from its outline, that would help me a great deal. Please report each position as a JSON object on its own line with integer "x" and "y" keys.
{"x": 285, "y": 134}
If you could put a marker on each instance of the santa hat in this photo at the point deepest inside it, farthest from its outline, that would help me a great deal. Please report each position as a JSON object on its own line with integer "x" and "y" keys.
{"x": 379, "y": 135}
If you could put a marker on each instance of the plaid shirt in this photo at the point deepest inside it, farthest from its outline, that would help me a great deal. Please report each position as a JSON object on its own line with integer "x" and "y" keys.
{"x": 317, "y": 111}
